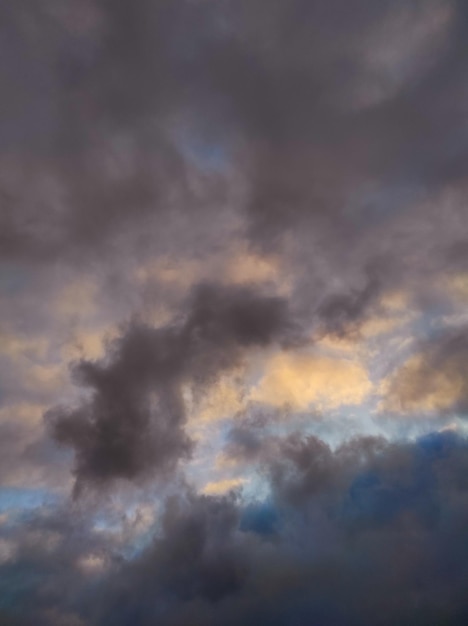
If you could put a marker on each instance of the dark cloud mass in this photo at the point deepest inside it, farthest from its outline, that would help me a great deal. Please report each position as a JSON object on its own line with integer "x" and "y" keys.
{"x": 233, "y": 332}
{"x": 317, "y": 119}
{"x": 134, "y": 420}
{"x": 374, "y": 533}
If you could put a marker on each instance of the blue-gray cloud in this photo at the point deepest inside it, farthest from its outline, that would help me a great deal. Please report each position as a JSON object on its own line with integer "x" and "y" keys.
{"x": 374, "y": 533}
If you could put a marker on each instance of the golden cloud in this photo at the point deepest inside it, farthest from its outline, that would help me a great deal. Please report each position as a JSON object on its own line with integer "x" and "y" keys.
{"x": 220, "y": 487}
{"x": 301, "y": 380}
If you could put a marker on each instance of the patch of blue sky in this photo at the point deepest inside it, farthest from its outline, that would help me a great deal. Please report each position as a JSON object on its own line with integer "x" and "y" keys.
{"x": 256, "y": 489}
{"x": 20, "y": 499}
{"x": 339, "y": 426}
{"x": 207, "y": 154}
{"x": 334, "y": 427}
{"x": 427, "y": 325}
{"x": 261, "y": 518}
{"x": 413, "y": 426}
{"x": 203, "y": 147}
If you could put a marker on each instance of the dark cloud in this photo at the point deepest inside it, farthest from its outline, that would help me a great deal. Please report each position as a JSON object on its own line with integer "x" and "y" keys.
{"x": 199, "y": 554}
{"x": 94, "y": 91}
{"x": 45, "y": 566}
{"x": 133, "y": 418}
{"x": 88, "y": 158}
{"x": 370, "y": 534}
{"x": 326, "y": 548}
{"x": 114, "y": 109}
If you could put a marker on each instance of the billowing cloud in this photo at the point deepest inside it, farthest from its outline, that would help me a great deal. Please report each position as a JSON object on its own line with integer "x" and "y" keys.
{"x": 233, "y": 261}
{"x": 134, "y": 419}
{"x": 327, "y": 537}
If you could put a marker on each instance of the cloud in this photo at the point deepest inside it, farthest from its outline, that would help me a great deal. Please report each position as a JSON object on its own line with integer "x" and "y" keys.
{"x": 325, "y": 538}
{"x": 133, "y": 419}
{"x": 432, "y": 380}
{"x": 323, "y": 160}
{"x": 223, "y": 399}
{"x": 28, "y": 457}
{"x": 239, "y": 218}
{"x": 340, "y": 312}
{"x": 220, "y": 487}
{"x": 300, "y": 381}
{"x": 95, "y": 114}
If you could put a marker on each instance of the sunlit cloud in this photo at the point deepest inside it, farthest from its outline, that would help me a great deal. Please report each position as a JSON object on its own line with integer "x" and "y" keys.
{"x": 300, "y": 381}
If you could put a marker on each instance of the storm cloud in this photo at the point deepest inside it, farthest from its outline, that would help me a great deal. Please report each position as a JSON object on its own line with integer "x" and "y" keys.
{"x": 233, "y": 331}
{"x": 325, "y": 546}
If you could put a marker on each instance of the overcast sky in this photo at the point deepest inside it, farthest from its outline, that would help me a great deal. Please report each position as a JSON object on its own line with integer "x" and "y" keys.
{"x": 233, "y": 312}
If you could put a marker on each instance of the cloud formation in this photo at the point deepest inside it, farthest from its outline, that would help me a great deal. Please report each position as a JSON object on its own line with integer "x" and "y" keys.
{"x": 134, "y": 419}
{"x": 325, "y": 545}
{"x": 233, "y": 276}
{"x": 433, "y": 380}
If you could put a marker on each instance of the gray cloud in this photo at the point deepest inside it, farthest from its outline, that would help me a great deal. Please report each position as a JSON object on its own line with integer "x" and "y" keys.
{"x": 326, "y": 545}
{"x": 434, "y": 379}
{"x": 330, "y": 133}
{"x": 101, "y": 81}
{"x": 134, "y": 419}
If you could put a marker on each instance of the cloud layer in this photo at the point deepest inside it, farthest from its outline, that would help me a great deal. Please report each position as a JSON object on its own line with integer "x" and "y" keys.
{"x": 233, "y": 333}
{"x": 326, "y": 546}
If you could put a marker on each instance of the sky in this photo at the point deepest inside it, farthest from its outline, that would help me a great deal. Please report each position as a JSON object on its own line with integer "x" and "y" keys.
{"x": 233, "y": 313}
